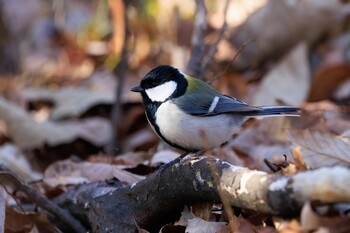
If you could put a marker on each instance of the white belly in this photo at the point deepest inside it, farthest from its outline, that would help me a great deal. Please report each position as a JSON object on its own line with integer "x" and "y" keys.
{"x": 194, "y": 131}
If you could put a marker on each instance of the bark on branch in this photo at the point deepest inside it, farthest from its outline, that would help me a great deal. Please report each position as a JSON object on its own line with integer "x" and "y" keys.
{"x": 159, "y": 199}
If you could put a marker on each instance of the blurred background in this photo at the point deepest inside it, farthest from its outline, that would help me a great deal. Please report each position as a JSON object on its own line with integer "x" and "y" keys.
{"x": 66, "y": 69}
{"x": 67, "y": 115}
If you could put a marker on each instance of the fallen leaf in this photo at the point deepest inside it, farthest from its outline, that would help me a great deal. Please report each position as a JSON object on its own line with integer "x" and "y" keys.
{"x": 186, "y": 215}
{"x": 287, "y": 226}
{"x": 70, "y": 102}
{"x": 141, "y": 140}
{"x": 264, "y": 139}
{"x": 228, "y": 154}
{"x": 27, "y": 222}
{"x": 131, "y": 159}
{"x": 67, "y": 172}
{"x": 276, "y": 154}
{"x": 327, "y": 81}
{"x": 320, "y": 148}
{"x": 12, "y": 158}
{"x": 28, "y": 134}
{"x": 100, "y": 80}
{"x": 311, "y": 221}
{"x": 17, "y": 222}
{"x": 338, "y": 126}
{"x": 290, "y": 74}
{"x": 198, "y": 225}
{"x": 169, "y": 228}
{"x": 323, "y": 116}
{"x": 164, "y": 156}
{"x": 242, "y": 226}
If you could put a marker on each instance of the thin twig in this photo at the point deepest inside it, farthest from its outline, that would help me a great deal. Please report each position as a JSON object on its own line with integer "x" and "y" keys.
{"x": 9, "y": 177}
{"x": 198, "y": 46}
{"x": 119, "y": 72}
{"x": 214, "y": 46}
{"x": 233, "y": 58}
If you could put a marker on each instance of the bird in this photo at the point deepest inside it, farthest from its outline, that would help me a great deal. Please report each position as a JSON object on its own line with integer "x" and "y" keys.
{"x": 191, "y": 115}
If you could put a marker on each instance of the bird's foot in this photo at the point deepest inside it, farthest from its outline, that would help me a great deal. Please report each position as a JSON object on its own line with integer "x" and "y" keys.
{"x": 165, "y": 166}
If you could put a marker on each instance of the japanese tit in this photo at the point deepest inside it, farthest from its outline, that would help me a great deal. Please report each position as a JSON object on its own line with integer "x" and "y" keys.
{"x": 190, "y": 114}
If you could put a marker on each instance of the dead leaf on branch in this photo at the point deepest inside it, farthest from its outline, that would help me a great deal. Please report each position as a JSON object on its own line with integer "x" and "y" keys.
{"x": 28, "y": 134}
{"x": 67, "y": 172}
{"x": 321, "y": 148}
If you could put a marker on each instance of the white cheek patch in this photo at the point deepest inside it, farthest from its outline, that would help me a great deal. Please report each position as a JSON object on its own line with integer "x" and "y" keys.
{"x": 162, "y": 92}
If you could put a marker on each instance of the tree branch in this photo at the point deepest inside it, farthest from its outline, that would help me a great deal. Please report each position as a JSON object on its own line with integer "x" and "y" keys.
{"x": 198, "y": 46}
{"x": 229, "y": 64}
{"x": 213, "y": 47}
{"x": 120, "y": 39}
{"x": 7, "y": 177}
{"x": 160, "y": 199}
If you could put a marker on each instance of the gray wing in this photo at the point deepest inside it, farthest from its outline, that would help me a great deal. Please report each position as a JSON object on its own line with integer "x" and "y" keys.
{"x": 211, "y": 105}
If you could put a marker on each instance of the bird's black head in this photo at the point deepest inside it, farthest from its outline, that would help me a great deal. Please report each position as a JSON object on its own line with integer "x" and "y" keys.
{"x": 161, "y": 84}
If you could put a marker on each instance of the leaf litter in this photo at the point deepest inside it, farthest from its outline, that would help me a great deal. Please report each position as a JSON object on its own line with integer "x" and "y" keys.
{"x": 319, "y": 138}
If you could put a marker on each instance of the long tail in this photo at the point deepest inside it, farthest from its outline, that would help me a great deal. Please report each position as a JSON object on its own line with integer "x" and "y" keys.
{"x": 270, "y": 111}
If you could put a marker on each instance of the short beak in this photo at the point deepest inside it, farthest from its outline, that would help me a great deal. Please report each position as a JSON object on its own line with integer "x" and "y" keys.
{"x": 137, "y": 89}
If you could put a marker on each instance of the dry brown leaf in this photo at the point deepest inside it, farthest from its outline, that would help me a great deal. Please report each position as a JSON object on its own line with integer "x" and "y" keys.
{"x": 338, "y": 125}
{"x": 186, "y": 215}
{"x": 311, "y": 221}
{"x": 70, "y": 102}
{"x": 28, "y": 134}
{"x": 227, "y": 154}
{"x": 202, "y": 210}
{"x": 320, "y": 148}
{"x": 280, "y": 25}
{"x": 285, "y": 226}
{"x": 12, "y": 158}
{"x": 198, "y": 225}
{"x": 243, "y": 226}
{"x": 130, "y": 159}
{"x": 265, "y": 139}
{"x": 323, "y": 116}
{"x": 67, "y": 172}
{"x": 17, "y": 222}
{"x": 299, "y": 162}
{"x": 27, "y": 222}
{"x": 164, "y": 156}
{"x": 326, "y": 81}
{"x": 141, "y": 140}
{"x": 231, "y": 84}
{"x": 170, "y": 228}
{"x": 343, "y": 91}
{"x": 100, "y": 80}
{"x": 288, "y": 81}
